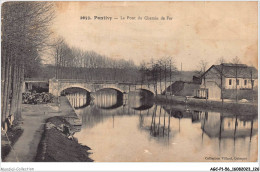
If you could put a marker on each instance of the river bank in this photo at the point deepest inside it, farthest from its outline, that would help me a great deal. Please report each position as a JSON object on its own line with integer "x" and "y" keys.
{"x": 228, "y": 105}
{"x": 58, "y": 146}
{"x": 34, "y": 116}
{"x": 8, "y": 139}
{"x": 57, "y": 143}
{"x": 28, "y": 146}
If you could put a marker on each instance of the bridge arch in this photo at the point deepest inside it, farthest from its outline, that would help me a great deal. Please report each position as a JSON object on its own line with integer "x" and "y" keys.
{"x": 74, "y": 86}
{"x": 111, "y": 87}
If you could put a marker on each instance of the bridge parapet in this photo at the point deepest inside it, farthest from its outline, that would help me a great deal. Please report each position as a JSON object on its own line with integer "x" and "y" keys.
{"x": 57, "y": 86}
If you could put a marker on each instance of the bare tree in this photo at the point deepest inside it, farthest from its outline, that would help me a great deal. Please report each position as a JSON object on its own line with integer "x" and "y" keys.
{"x": 221, "y": 76}
{"x": 172, "y": 68}
{"x": 202, "y": 67}
{"x": 203, "y": 64}
{"x": 252, "y": 83}
{"x": 142, "y": 70}
{"x": 221, "y": 60}
{"x": 236, "y": 62}
{"x": 24, "y": 35}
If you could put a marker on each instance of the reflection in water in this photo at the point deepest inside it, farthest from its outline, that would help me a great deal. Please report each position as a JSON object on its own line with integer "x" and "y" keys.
{"x": 158, "y": 124}
{"x": 140, "y": 100}
{"x": 108, "y": 99}
{"x": 218, "y": 125}
{"x": 78, "y": 98}
{"x": 130, "y": 132}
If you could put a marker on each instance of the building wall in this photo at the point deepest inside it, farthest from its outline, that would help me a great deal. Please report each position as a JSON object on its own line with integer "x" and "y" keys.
{"x": 214, "y": 92}
{"x": 211, "y": 76}
{"x": 244, "y": 83}
{"x": 212, "y": 82}
{"x": 188, "y": 89}
{"x": 241, "y": 94}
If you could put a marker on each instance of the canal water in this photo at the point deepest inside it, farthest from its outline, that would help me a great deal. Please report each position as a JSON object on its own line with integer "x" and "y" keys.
{"x": 131, "y": 128}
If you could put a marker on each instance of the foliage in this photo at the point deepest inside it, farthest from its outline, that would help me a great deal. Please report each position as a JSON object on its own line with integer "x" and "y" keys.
{"x": 24, "y": 35}
{"x": 75, "y": 59}
{"x": 37, "y": 98}
{"x": 157, "y": 70}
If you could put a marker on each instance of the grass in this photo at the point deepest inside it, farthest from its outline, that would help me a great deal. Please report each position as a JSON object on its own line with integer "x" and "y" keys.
{"x": 57, "y": 147}
{"x": 238, "y": 109}
{"x": 13, "y": 135}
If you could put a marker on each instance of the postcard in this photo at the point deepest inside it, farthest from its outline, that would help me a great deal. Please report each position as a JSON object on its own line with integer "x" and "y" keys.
{"x": 122, "y": 81}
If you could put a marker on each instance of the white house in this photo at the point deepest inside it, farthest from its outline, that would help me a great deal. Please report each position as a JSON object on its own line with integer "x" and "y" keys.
{"x": 233, "y": 76}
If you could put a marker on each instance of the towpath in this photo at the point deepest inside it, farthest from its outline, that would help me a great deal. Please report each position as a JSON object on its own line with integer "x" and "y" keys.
{"x": 34, "y": 117}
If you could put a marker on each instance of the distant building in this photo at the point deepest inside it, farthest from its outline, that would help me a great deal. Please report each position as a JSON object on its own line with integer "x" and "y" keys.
{"x": 234, "y": 76}
{"x": 196, "y": 79}
{"x": 35, "y": 84}
{"x": 182, "y": 88}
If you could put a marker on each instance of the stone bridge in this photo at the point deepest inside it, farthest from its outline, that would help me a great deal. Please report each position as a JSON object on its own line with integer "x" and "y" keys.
{"x": 56, "y": 86}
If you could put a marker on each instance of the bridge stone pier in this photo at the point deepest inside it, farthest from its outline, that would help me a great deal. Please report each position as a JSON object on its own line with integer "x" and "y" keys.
{"x": 56, "y": 86}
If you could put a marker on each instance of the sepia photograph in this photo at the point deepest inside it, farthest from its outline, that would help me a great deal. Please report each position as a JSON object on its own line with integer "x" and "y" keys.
{"x": 122, "y": 81}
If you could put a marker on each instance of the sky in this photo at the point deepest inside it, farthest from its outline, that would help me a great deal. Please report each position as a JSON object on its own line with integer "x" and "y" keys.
{"x": 197, "y": 31}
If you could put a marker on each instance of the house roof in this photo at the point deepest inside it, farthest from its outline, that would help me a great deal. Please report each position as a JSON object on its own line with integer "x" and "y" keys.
{"x": 229, "y": 70}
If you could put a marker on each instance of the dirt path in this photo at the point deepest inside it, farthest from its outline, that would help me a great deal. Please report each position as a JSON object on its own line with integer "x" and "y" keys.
{"x": 34, "y": 118}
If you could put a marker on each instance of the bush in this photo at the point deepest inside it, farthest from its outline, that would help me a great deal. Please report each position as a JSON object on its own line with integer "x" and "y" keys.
{"x": 37, "y": 98}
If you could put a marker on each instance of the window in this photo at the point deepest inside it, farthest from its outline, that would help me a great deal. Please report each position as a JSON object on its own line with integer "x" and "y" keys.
{"x": 237, "y": 81}
{"x": 230, "y": 81}
{"x": 252, "y": 82}
{"x": 245, "y": 82}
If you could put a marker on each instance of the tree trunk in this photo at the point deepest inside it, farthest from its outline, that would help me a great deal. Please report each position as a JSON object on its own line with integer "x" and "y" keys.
{"x": 252, "y": 85}
{"x": 4, "y": 88}
{"x": 171, "y": 77}
{"x": 236, "y": 86}
{"x": 8, "y": 90}
{"x": 165, "y": 77}
{"x": 56, "y": 63}
{"x": 20, "y": 98}
{"x": 14, "y": 89}
{"x": 160, "y": 80}
{"x": 3, "y": 81}
{"x": 19, "y": 86}
{"x": 221, "y": 83}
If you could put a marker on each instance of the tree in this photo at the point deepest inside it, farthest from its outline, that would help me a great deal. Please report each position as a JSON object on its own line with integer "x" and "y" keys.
{"x": 252, "y": 83}
{"x": 172, "y": 68}
{"x": 156, "y": 71}
{"x": 221, "y": 60}
{"x": 142, "y": 70}
{"x": 202, "y": 67}
{"x": 220, "y": 74}
{"x": 24, "y": 35}
{"x": 236, "y": 62}
{"x": 203, "y": 64}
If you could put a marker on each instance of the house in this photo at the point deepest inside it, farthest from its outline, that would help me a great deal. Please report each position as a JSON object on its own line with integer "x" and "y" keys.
{"x": 35, "y": 84}
{"x": 182, "y": 88}
{"x": 236, "y": 79}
